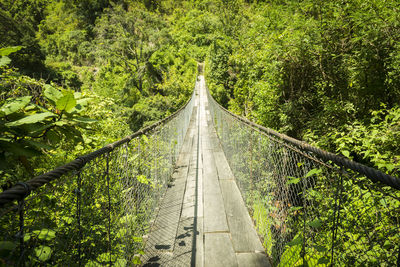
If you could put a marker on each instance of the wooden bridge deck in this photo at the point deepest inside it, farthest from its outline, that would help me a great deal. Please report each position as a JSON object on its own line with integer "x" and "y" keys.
{"x": 202, "y": 220}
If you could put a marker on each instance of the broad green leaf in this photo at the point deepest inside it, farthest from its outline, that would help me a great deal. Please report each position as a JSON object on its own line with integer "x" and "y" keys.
{"x": 79, "y": 108}
{"x": 37, "y": 145}
{"x": 61, "y": 123}
{"x": 293, "y": 180}
{"x": 77, "y": 95}
{"x": 35, "y": 130}
{"x": 4, "y": 61}
{"x": 13, "y": 105}
{"x": 313, "y": 171}
{"x": 27, "y": 237}
{"x": 291, "y": 255}
{"x": 83, "y": 101}
{"x": 9, "y": 50}
{"x": 316, "y": 223}
{"x": 18, "y": 149}
{"x": 72, "y": 133}
{"x": 346, "y": 153}
{"x": 67, "y": 102}
{"x": 80, "y": 105}
{"x": 296, "y": 241}
{"x": 67, "y": 220}
{"x": 45, "y": 234}
{"x": 52, "y": 93}
{"x": 43, "y": 253}
{"x": 38, "y": 117}
{"x": 53, "y": 136}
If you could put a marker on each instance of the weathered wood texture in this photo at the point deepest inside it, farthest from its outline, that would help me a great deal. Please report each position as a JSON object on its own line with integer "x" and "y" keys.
{"x": 203, "y": 220}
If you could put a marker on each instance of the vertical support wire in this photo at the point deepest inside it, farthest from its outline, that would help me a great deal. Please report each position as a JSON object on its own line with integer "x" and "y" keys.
{"x": 109, "y": 205}
{"x": 303, "y": 251}
{"x": 21, "y": 204}
{"x": 78, "y": 215}
{"x": 336, "y": 213}
{"x": 20, "y": 235}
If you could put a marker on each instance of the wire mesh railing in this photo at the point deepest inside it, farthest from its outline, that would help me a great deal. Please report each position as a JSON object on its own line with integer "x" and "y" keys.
{"x": 311, "y": 207}
{"x": 97, "y": 209}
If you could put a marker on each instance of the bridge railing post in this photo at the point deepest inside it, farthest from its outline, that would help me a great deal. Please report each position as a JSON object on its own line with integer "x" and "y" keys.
{"x": 78, "y": 215}
{"x": 21, "y": 204}
{"x": 107, "y": 175}
{"x": 336, "y": 216}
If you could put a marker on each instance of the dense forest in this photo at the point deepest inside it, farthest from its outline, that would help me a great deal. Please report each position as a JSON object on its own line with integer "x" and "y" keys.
{"x": 76, "y": 75}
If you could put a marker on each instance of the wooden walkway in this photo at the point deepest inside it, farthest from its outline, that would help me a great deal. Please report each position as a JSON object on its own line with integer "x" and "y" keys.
{"x": 202, "y": 220}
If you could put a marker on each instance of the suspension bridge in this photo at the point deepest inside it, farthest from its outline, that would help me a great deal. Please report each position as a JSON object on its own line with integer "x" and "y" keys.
{"x": 204, "y": 187}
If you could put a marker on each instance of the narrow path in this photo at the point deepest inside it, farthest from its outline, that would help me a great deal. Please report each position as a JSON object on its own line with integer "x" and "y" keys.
{"x": 203, "y": 199}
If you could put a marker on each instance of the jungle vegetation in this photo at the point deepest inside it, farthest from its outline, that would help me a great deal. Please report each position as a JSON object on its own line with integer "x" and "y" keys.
{"x": 78, "y": 74}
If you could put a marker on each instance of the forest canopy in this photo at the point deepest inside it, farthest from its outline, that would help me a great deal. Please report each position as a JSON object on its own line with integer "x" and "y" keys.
{"x": 75, "y": 75}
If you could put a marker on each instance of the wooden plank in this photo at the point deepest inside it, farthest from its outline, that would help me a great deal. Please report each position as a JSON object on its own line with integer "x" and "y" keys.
{"x": 187, "y": 145}
{"x": 190, "y": 191}
{"x": 214, "y": 211}
{"x": 214, "y": 214}
{"x": 244, "y": 235}
{"x": 218, "y": 250}
{"x": 199, "y": 243}
{"x": 200, "y": 194}
{"x": 223, "y": 168}
{"x": 252, "y": 260}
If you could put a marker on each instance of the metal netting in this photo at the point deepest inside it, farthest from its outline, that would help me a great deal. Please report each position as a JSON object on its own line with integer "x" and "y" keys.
{"x": 97, "y": 214}
{"x": 309, "y": 211}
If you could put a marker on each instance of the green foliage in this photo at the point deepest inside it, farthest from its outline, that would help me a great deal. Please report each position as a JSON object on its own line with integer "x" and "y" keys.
{"x": 324, "y": 71}
{"x": 31, "y": 125}
{"x": 130, "y": 38}
{"x": 18, "y": 20}
{"x": 194, "y": 31}
{"x": 309, "y": 67}
{"x": 60, "y": 34}
{"x": 373, "y": 142}
{"x": 4, "y": 52}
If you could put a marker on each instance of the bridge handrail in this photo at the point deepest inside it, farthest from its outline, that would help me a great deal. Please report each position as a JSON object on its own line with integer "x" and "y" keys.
{"x": 373, "y": 174}
{"x": 21, "y": 190}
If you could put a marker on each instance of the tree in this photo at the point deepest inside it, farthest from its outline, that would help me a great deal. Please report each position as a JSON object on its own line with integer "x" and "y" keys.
{"x": 128, "y": 39}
